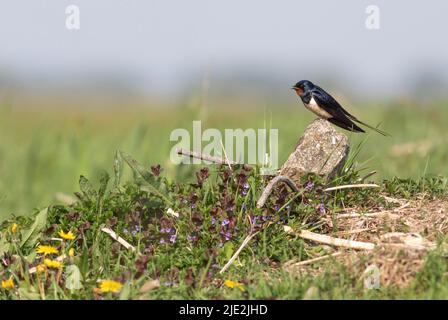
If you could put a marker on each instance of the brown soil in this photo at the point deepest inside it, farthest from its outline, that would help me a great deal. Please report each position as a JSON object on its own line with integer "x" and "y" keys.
{"x": 403, "y": 236}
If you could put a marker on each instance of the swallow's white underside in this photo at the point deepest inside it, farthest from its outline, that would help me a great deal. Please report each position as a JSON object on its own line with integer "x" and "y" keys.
{"x": 314, "y": 107}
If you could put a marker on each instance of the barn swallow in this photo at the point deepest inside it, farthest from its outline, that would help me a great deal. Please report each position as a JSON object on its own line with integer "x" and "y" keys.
{"x": 325, "y": 106}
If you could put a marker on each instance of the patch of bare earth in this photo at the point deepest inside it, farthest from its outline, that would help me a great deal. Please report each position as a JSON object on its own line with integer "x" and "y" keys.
{"x": 396, "y": 240}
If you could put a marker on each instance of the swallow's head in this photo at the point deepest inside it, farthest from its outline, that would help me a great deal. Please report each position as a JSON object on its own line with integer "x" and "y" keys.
{"x": 302, "y": 86}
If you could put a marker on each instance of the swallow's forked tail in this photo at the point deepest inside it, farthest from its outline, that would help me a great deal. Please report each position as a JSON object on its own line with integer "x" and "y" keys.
{"x": 370, "y": 127}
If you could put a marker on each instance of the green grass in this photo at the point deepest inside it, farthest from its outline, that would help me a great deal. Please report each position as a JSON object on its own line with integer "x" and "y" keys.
{"x": 45, "y": 152}
{"x": 185, "y": 253}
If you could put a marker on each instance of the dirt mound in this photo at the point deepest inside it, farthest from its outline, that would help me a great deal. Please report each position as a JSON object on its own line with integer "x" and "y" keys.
{"x": 399, "y": 240}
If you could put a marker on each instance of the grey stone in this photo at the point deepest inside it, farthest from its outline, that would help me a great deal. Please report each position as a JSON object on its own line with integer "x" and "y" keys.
{"x": 320, "y": 150}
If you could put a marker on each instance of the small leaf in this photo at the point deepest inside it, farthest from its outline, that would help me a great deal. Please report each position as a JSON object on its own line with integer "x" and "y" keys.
{"x": 118, "y": 168}
{"x": 4, "y": 246}
{"x": 84, "y": 263}
{"x": 73, "y": 280}
{"x": 87, "y": 188}
{"x": 138, "y": 168}
{"x": 125, "y": 292}
{"x": 31, "y": 256}
{"x": 146, "y": 175}
{"x": 32, "y": 234}
{"x": 227, "y": 249}
{"x": 104, "y": 180}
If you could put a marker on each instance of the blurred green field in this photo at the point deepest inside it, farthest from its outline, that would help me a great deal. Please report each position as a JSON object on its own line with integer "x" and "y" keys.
{"x": 44, "y": 150}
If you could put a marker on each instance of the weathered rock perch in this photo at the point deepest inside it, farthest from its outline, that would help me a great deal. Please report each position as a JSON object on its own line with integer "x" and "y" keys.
{"x": 321, "y": 150}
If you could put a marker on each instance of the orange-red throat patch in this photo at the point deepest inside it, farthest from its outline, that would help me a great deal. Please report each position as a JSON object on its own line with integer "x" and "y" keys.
{"x": 298, "y": 91}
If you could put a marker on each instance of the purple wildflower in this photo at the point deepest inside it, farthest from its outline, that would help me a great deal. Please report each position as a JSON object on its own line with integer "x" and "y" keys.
{"x": 173, "y": 238}
{"x": 162, "y": 241}
{"x": 246, "y": 188}
{"x": 253, "y": 220}
{"x": 165, "y": 230}
{"x": 322, "y": 209}
{"x": 213, "y": 221}
{"x": 225, "y": 222}
{"x": 309, "y": 185}
{"x": 227, "y": 235}
{"x": 266, "y": 218}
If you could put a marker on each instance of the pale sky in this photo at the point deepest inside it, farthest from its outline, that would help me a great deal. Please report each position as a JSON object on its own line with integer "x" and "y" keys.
{"x": 160, "y": 44}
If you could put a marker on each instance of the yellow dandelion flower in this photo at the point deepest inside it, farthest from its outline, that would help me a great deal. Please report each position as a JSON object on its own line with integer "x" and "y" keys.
{"x": 52, "y": 264}
{"x": 14, "y": 228}
{"x": 110, "y": 286}
{"x": 71, "y": 252}
{"x": 8, "y": 284}
{"x": 41, "y": 268}
{"x": 233, "y": 284}
{"x": 66, "y": 236}
{"x": 47, "y": 250}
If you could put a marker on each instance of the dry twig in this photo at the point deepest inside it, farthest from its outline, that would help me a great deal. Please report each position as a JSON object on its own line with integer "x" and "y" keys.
{"x": 198, "y": 155}
{"x": 368, "y": 176}
{"x": 353, "y": 231}
{"x": 369, "y": 215}
{"x": 225, "y": 155}
{"x": 65, "y": 198}
{"x": 236, "y": 254}
{"x": 291, "y": 264}
{"x": 268, "y": 190}
{"x": 337, "y": 242}
{"x": 114, "y": 236}
{"x": 349, "y": 186}
{"x": 378, "y": 214}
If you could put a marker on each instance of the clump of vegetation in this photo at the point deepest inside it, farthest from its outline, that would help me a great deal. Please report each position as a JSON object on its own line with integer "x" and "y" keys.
{"x": 174, "y": 238}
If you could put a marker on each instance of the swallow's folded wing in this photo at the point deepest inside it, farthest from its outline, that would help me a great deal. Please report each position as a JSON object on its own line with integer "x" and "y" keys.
{"x": 327, "y": 102}
{"x": 339, "y": 116}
